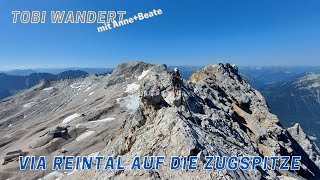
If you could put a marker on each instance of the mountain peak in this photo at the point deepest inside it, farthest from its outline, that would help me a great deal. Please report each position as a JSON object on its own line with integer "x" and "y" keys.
{"x": 304, "y": 141}
{"x": 310, "y": 81}
{"x": 310, "y": 77}
{"x": 131, "y": 67}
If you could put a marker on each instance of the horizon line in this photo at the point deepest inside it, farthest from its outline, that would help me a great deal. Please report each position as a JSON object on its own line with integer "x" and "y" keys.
{"x": 77, "y": 68}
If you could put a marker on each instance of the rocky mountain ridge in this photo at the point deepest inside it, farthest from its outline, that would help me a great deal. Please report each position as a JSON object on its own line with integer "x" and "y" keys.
{"x": 133, "y": 112}
{"x": 225, "y": 115}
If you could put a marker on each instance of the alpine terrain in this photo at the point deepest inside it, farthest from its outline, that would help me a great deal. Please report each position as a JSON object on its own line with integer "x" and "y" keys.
{"x": 11, "y": 84}
{"x": 297, "y": 101}
{"x": 133, "y": 112}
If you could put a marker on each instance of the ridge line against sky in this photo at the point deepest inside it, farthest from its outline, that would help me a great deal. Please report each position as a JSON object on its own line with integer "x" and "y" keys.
{"x": 250, "y": 32}
{"x": 40, "y": 69}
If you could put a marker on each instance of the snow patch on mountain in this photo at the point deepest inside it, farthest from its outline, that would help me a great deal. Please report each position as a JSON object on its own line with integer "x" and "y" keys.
{"x": 70, "y": 118}
{"x": 132, "y": 88}
{"x": 30, "y": 104}
{"x": 48, "y": 89}
{"x": 84, "y": 135}
{"x": 88, "y": 88}
{"x": 91, "y": 93}
{"x": 144, "y": 73}
{"x": 76, "y": 85}
{"x": 105, "y": 120}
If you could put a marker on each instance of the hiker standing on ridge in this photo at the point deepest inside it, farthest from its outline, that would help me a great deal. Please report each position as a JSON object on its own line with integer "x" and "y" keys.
{"x": 176, "y": 78}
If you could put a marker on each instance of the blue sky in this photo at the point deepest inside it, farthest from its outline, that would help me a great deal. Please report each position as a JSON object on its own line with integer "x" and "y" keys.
{"x": 247, "y": 32}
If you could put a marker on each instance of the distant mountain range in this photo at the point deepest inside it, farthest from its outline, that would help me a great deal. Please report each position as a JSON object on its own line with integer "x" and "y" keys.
{"x": 292, "y": 93}
{"x": 258, "y": 77}
{"x": 296, "y": 101}
{"x": 26, "y": 72}
{"x": 4, "y": 93}
{"x": 11, "y": 83}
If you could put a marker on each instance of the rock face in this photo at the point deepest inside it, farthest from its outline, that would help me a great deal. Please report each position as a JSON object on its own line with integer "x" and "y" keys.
{"x": 133, "y": 112}
{"x": 307, "y": 145}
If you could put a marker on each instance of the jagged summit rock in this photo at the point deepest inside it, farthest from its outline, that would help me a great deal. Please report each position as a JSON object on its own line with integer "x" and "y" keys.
{"x": 132, "y": 111}
{"x": 127, "y": 70}
{"x": 307, "y": 145}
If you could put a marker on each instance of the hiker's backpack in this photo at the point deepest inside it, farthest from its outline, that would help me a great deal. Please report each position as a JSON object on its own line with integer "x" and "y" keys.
{"x": 175, "y": 76}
